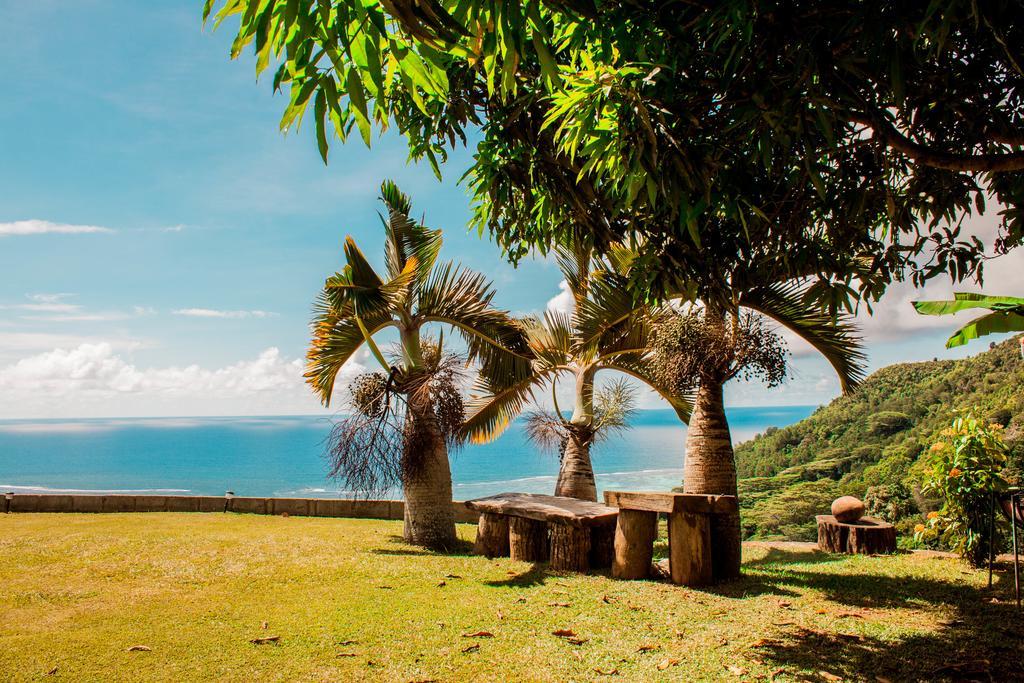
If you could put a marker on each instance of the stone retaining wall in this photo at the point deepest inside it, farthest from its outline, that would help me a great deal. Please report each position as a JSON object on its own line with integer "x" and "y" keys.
{"x": 300, "y": 507}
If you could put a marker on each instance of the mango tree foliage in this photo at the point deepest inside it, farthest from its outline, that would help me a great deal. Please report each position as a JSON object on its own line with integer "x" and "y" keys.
{"x": 742, "y": 140}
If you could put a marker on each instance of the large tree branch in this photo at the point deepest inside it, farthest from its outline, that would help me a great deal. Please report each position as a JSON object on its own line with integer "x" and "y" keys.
{"x": 886, "y": 133}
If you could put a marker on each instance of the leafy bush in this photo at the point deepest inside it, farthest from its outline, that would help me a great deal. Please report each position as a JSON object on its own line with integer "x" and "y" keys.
{"x": 966, "y": 466}
{"x": 889, "y": 422}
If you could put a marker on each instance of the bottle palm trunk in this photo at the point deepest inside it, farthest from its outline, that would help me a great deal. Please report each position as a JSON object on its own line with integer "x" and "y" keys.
{"x": 710, "y": 468}
{"x": 576, "y": 475}
{"x": 429, "y": 515}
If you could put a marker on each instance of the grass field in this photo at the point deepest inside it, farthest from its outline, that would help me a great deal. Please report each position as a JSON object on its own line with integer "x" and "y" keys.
{"x": 349, "y": 601}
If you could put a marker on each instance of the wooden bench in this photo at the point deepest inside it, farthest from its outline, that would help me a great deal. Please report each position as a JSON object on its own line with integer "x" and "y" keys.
{"x": 573, "y": 534}
{"x": 690, "y": 533}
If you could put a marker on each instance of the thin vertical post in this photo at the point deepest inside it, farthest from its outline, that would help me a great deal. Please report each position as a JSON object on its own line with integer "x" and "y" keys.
{"x": 1015, "y": 500}
{"x": 991, "y": 534}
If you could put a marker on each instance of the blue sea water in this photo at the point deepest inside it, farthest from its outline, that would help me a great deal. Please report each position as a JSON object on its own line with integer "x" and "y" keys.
{"x": 283, "y": 456}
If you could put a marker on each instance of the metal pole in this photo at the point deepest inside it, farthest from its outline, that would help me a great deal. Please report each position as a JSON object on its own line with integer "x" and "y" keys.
{"x": 1015, "y": 500}
{"x": 991, "y": 534}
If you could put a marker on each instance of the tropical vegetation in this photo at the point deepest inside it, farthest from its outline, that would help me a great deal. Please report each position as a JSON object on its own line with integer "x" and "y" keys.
{"x": 606, "y": 331}
{"x": 1007, "y": 315}
{"x": 965, "y": 470}
{"x": 875, "y": 444}
{"x": 405, "y": 419}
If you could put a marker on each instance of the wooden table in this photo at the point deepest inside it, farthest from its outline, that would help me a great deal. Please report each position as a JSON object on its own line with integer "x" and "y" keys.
{"x": 690, "y": 533}
{"x": 573, "y": 534}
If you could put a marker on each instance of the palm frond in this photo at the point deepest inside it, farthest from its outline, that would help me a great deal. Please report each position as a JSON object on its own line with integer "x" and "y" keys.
{"x": 462, "y": 298}
{"x": 641, "y": 366}
{"x": 336, "y": 337}
{"x": 492, "y": 407}
{"x": 609, "y": 321}
{"x": 545, "y": 430}
{"x": 614, "y": 408}
{"x": 574, "y": 261}
{"x": 404, "y": 238}
{"x": 834, "y": 338}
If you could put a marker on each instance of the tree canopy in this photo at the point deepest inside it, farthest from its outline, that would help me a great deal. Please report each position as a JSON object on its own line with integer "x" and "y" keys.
{"x": 728, "y": 141}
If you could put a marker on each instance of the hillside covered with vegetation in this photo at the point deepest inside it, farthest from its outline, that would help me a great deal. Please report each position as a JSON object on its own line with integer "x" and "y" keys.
{"x": 873, "y": 442}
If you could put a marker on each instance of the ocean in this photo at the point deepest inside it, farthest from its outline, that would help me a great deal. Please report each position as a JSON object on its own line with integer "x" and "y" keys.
{"x": 284, "y": 456}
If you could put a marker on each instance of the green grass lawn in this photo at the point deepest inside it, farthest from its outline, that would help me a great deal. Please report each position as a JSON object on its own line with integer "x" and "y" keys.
{"x": 350, "y": 601}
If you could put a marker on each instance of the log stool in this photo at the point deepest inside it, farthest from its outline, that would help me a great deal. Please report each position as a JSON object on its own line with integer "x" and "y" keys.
{"x": 867, "y": 536}
{"x": 690, "y": 533}
{"x": 573, "y": 534}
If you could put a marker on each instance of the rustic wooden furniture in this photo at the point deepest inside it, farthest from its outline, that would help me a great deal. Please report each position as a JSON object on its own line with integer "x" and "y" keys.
{"x": 573, "y": 534}
{"x": 691, "y": 537}
{"x": 866, "y": 536}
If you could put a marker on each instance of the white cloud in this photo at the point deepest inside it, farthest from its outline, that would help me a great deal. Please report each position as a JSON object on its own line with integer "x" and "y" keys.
{"x": 213, "y": 313}
{"x": 40, "y": 227}
{"x": 93, "y": 379}
{"x": 562, "y": 302}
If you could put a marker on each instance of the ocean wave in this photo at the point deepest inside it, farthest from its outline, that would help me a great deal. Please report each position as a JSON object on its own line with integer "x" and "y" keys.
{"x": 48, "y": 489}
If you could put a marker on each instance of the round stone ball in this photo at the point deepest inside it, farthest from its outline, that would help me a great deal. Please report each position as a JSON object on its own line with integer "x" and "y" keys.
{"x": 847, "y": 509}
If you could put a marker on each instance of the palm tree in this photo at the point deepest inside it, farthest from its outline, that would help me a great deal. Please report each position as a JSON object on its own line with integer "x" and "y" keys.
{"x": 607, "y": 331}
{"x": 1007, "y": 315}
{"x": 356, "y": 304}
{"x": 710, "y": 346}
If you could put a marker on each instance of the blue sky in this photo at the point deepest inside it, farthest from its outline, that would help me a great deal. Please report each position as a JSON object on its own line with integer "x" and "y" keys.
{"x": 161, "y": 241}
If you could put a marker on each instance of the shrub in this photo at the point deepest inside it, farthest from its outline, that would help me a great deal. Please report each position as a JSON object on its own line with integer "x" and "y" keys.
{"x": 964, "y": 468}
{"x": 1001, "y": 417}
{"x": 889, "y": 422}
{"x": 891, "y": 502}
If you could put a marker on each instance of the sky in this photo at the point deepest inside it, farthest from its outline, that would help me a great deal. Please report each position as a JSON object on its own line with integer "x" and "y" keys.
{"x": 161, "y": 242}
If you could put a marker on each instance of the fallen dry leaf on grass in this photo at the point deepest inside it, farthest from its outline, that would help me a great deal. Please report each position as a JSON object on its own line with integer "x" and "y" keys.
{"x": 766, "y": 642}
{"x": 265, "y": 641}
{"x": 501, "y": 615}
{"x": 346, "y": 643}
{"x": 264, "y": 626}
{"x": 736, "y": 670}
{"x": 347, "y": 654}
{"x": 849, "y": 615}
{"x": 52, "y": 671}
{"x": 478, "y": 634}
{"x": 883, "y": 679}
{"x": 784, "y": 604}
{"x": 564, "y": 633}
{"x": 607, "y": 599}
{"x": 558, "y": 604}
{"x": 442, "y": 584}
{"x": 471, "y": 648}
{"x": 520, "y": 599}
{"x": 577, "y": 641}
{"x": 602, "y": 672}
{"x": 452, "y": 576}
{"x": 140, "y": 648}
{"x": 829, "y": 676}
{"x": 647, "y": 648}
{"x": 666, "y": 663}
{"x": 783, "y": 623}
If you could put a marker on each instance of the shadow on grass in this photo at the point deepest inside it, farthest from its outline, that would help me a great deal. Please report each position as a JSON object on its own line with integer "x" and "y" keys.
{"x": 980, "y": 641}
{"x": 536, "y": 575}
{"x": 460, "y": 549}
{"x": 779, "y": 556}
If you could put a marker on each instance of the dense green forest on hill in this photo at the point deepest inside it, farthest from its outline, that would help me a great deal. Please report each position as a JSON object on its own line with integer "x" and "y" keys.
{"x": 872, "y": 443}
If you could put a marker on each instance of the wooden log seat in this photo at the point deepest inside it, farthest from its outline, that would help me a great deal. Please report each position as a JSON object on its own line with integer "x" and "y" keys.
{"x": 691, "y": 530}
{"x": 573, "y": 534}
{"x": 867, "y": 536}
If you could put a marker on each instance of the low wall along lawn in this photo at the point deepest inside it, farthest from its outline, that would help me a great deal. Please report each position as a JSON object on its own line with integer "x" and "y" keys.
{"x": 303, "y": 507}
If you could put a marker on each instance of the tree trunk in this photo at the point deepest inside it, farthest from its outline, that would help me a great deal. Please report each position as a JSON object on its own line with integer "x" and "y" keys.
{"x": 576, "y": 475}
{"x": 710, "y": 468}
{"x": 427, "y": 480}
